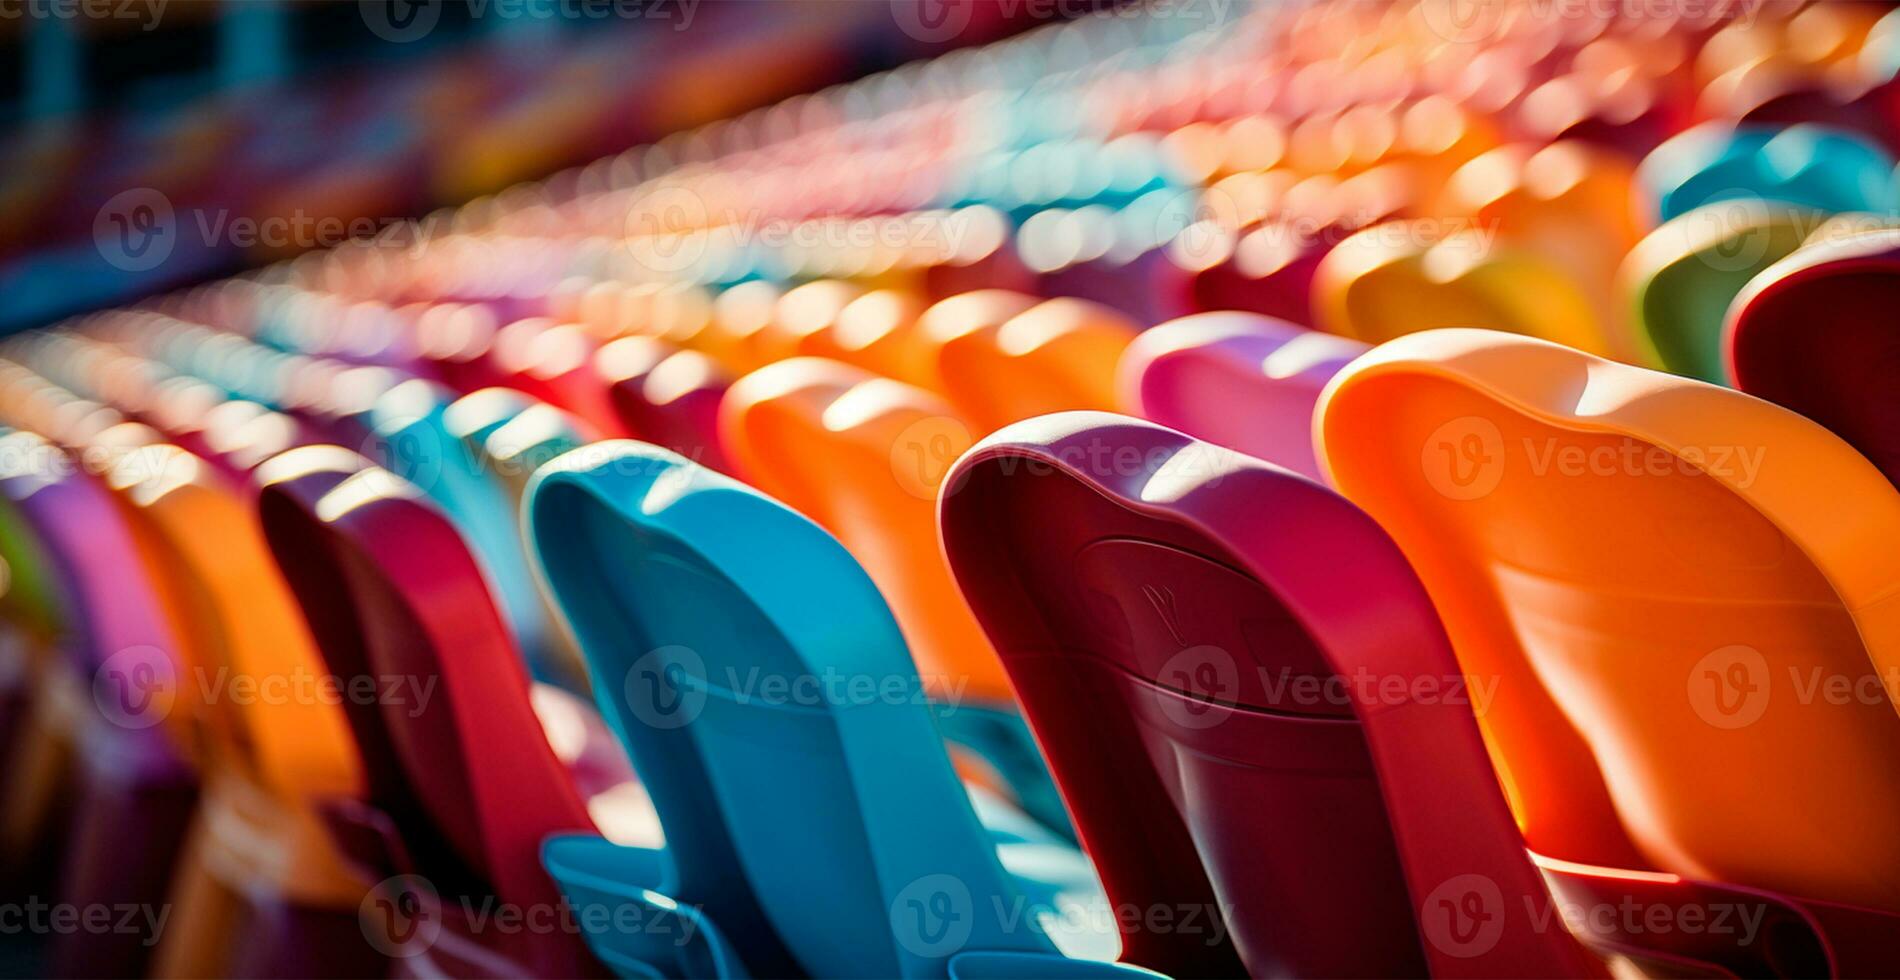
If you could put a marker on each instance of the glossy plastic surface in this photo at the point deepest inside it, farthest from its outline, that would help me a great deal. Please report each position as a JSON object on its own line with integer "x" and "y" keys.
{"x": 1809, "y": 166}
{"x": 1001, "y": 357}
{"x": 407, "y": 601}
{"x": 1674, "y": 562}
{"x": 1208, "y": 647}
{"x": 1681, "y": 278}
{"x": 1815, "y": 332}
{"x": 1244, "y": 381}
{"x": 797, "y": 697}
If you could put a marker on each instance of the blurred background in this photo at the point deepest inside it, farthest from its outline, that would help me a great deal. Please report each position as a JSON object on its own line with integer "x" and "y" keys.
{"x": 148, "y": 144}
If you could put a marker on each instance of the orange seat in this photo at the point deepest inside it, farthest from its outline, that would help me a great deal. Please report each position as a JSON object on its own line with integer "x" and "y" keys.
{"x": 1402, "y": 277}
{"x": 807, "y": 315}
{"x": 863, "y": 456}
{"x": 1570, "y": 203}
{"x": 273, "y": 756}
{"x": 740, "y": 333}
{"x": 1683, "y": 588}
{"x": 1002, "y": 357}
{"x": 878, "y": 332}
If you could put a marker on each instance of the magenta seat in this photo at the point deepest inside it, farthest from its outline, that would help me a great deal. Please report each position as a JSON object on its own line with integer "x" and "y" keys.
{"x": 1241, "y": 380}
{"x": 1173, "y": 630}
{"x": 467, "y": 781}
{"x": 134, "y": 790}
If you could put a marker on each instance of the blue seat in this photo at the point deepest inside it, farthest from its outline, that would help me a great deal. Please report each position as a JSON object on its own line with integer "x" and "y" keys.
{"x": 752, "y": 668}
{"x": 1809, "y": 166}
{"x": 412, "y": 438}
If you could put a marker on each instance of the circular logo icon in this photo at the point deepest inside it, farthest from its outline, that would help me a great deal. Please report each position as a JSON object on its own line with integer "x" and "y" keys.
{"x": 932, "y": 21}
{"x": 401, "y": 916}
{"x": 136, "y": 687}
{"x": 1463, "y": 21}
{"x": 1464, "y": 458}
{"x": 411, "y": 452}
{"x": 136, "y": 230}
{"x": 1728, "y": 688}
{"x": 924, "y": 452}
{"x": 666, "y": 689}
{"x": 1196, "y": 681}
{"x": 400, "y": 21}
{"x": 1197, "y": 226}
{"x": 1464, "y": 916}
{"x": 1737, "y": 230}
{"x": 666, "y": 229}
{"x": 933, "y": 916}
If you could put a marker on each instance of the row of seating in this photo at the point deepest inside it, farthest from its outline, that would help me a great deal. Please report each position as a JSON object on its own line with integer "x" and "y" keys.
{"x": 944, "y": 621}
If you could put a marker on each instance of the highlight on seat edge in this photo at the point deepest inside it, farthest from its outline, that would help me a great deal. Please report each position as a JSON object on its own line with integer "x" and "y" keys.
{"x": 949, "y": 489}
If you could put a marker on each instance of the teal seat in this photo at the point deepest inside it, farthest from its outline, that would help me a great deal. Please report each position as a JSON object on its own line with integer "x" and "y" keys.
{"x": 412, "y": 438}
{"x": 1810, "y": 166}
{"x": 748, "y": 662}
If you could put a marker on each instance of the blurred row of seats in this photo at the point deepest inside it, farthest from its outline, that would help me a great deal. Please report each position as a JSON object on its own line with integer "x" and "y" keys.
{"x": 1362, "y": 613}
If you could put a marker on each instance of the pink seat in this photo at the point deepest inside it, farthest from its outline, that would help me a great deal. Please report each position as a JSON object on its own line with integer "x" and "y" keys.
{"x": 1248, "y": 703}
{"x": 1242, "y": 380}
{"x": 666, "y": 396}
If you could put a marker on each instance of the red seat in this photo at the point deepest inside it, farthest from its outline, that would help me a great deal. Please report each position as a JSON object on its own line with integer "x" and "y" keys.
{"x": 1816, "y": 333}
{"x": 475, "y": 775}
{"x": 1248, "y": 703}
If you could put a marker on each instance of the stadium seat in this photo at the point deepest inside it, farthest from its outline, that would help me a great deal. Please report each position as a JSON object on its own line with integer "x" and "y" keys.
{"x": 1814, "y": 333}
{"x": 1671, "y": 563}
{"x": 864, "y": 457}
{"x": 804, "y": 719}
{"x": 1240, "y": 380}
{"x": 481, "y": 765}
{"x": 1001, "y": 357}
{"x": 1681, "y": 278}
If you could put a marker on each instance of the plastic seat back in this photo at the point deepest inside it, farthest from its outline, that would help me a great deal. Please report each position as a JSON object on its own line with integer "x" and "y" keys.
{"x": 1241, "y": 380}
{"x": 416, "y": 439}
{"x": 1676, "y": 563}
{"x": 1814, "y": 333}
{"x": 667, "y": 396}
{"x": 453, "y": 694}
{"x": 1402, "y": 277}
{"x": 1249, "y": 703}
{"x": 863, "y": 456}
{"x": 1001, "y": 357}
{"x": 1681, "y": 278}
{"x": 879, "y": 332}
{"x": 1809, "y": 166}
{"x": 794, "y": 696}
